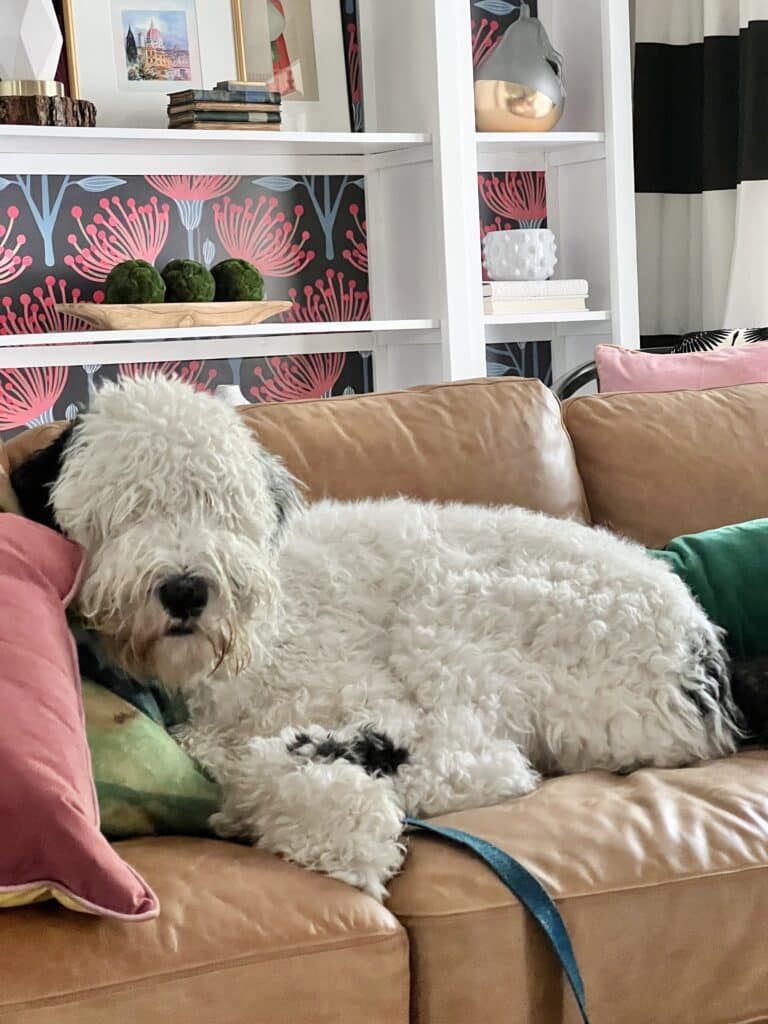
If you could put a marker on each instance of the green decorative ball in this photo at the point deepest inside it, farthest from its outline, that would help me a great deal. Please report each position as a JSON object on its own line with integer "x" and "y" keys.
{"x": 238, "y": 281}
{"x": 134, "y": 281}
{"x": 188, "y": 281}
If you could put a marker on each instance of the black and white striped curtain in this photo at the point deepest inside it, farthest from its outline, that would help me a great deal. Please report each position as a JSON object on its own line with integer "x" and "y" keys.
{"x": 701, "y": 163}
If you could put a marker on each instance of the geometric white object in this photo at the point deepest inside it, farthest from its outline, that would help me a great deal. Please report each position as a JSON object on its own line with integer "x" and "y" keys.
{"x": 527, "y": 254}
{"x": 30, "y": 40}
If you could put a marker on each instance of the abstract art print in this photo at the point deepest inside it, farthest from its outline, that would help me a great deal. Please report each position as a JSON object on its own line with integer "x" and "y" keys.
{"x": 293, "y": 49}
{"x": 158, "y": 45}
{"x": 307, "y": 57}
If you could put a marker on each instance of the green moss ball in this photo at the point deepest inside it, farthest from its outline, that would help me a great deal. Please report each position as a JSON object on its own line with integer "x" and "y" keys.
{"x": 134, "y": 281}
{"x": 238, "y": 281}
{"x": 188, "y": 281}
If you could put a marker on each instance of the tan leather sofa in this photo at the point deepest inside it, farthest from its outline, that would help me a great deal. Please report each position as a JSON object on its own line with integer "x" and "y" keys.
{"x": 662, "y": 876}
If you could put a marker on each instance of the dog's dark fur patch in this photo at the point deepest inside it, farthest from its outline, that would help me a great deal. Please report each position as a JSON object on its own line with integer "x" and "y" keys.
{"x": 372, "y": 750}
{"x": 749, "y": 685}
{"x": 376, "y": 752}
{"x": 32, "y": 480}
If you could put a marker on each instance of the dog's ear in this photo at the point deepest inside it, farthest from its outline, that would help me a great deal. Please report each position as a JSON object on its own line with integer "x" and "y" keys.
{"x": 285, "y": 491}
{"x": 33, "y": 479}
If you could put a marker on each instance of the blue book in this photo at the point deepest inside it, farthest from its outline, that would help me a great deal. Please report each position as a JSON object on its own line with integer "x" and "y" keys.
{"x": 187, "y": 96}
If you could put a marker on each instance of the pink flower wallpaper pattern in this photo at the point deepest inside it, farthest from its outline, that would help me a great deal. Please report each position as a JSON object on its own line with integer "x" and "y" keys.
{"x": 61, "y": 235}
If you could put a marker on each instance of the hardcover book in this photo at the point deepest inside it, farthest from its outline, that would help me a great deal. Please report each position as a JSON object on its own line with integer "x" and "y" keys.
{"x": 224, "y": 96}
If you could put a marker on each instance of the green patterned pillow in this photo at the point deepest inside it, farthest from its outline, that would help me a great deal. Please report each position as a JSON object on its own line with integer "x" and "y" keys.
{"x": 146, "y": 784}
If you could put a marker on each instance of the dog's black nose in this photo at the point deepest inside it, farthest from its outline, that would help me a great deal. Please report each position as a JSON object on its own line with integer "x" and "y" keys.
{"x": 184, "y": 596}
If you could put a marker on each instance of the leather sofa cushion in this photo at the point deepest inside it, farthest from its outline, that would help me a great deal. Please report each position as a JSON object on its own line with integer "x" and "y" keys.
{"x": 492, "y": 442}
{"x": 657, "y": 466}
{"x": 661, "y": 877}
{"x": 243, "y": 936}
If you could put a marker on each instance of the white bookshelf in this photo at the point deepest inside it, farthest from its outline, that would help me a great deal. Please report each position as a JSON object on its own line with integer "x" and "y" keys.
{"x": 423, "y": 82}
{"x": 420, "y": 159}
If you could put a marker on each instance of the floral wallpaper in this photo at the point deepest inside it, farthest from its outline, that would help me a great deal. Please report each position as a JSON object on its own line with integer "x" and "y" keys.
{"x": 60, "y": 235}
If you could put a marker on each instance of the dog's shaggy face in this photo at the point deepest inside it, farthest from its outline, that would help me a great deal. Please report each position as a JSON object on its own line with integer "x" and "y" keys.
{"x": 179, "y": 510}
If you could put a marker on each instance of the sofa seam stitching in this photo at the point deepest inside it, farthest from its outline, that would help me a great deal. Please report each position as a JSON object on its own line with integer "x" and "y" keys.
{"x": 586, "y": 895}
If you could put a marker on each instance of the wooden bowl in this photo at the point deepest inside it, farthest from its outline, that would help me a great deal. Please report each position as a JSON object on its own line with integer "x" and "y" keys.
{"x": 126, "y": 317}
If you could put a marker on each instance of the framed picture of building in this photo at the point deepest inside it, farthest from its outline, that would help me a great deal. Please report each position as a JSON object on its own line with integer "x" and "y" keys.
{"x": 127, "y": 55}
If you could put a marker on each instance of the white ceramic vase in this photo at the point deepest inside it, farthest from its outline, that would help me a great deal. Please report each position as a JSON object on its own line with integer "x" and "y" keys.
{"x": 30, "y": 40}
{"x": 526, "y": 254}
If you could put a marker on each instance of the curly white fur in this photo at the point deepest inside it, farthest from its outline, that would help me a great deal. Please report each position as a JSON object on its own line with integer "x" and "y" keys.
{"x": 491, "y": 643}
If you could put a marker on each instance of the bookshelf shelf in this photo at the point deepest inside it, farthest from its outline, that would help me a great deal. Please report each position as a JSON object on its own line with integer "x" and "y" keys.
{"x": 77, "y": 347}
{"x": 101, "y": 149}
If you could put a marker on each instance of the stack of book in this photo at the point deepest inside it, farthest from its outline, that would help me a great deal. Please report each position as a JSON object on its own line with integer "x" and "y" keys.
{"x": 515, "y": 297}
{"x": 243, "y": 106}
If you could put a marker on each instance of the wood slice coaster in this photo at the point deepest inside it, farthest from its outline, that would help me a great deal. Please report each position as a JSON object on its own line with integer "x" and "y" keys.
{"x": 58, "y": 111}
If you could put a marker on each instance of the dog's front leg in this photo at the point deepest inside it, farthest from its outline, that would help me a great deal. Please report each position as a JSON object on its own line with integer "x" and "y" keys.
{"x": 330, "y": 816}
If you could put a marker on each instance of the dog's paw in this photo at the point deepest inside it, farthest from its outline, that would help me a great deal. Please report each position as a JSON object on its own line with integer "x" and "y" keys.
{"x": 336, "y": 819}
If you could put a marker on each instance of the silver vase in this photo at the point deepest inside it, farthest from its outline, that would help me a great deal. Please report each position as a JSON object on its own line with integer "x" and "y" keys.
{"x": 520, "y": 87}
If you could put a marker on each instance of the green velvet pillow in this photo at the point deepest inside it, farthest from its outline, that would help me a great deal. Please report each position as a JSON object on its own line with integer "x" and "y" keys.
{"x": 727, "y": 571}
{"x": 145, "y": 782}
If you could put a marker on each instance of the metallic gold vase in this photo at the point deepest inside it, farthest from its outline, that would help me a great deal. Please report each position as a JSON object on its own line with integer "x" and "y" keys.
{"x": 520, "y": 87}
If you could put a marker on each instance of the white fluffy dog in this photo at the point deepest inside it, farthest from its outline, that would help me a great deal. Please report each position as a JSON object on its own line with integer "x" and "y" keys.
{"x": 346, "y": 663}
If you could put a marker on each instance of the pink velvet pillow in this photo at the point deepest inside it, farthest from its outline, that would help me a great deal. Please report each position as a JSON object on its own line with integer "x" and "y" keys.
{"x": 51, "y": 845}
{"x": 622, "y": 369}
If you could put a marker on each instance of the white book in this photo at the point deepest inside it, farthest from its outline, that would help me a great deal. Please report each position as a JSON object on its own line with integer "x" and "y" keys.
{"x": 534, "y": 289}
{"x": 554, "y": 304}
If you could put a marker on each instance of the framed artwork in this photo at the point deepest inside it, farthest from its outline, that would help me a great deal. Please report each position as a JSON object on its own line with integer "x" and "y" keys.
{"x": 308, "y": 64}
{"x": 127, "y": 55}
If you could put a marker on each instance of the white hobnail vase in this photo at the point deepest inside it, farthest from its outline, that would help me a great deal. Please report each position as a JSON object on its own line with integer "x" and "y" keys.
{"x": 525, "y": 254}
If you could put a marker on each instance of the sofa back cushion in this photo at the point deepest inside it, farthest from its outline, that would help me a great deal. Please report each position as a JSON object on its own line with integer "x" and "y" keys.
{"x": 657, "y": 466}
{"x": 496, "y": 441}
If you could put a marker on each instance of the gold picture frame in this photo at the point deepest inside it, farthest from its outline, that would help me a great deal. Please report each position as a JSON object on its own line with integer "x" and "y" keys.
{"x": 96, "y": 61}
{"x": 238, "y": 29}
{"x": 68, "y": 31}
